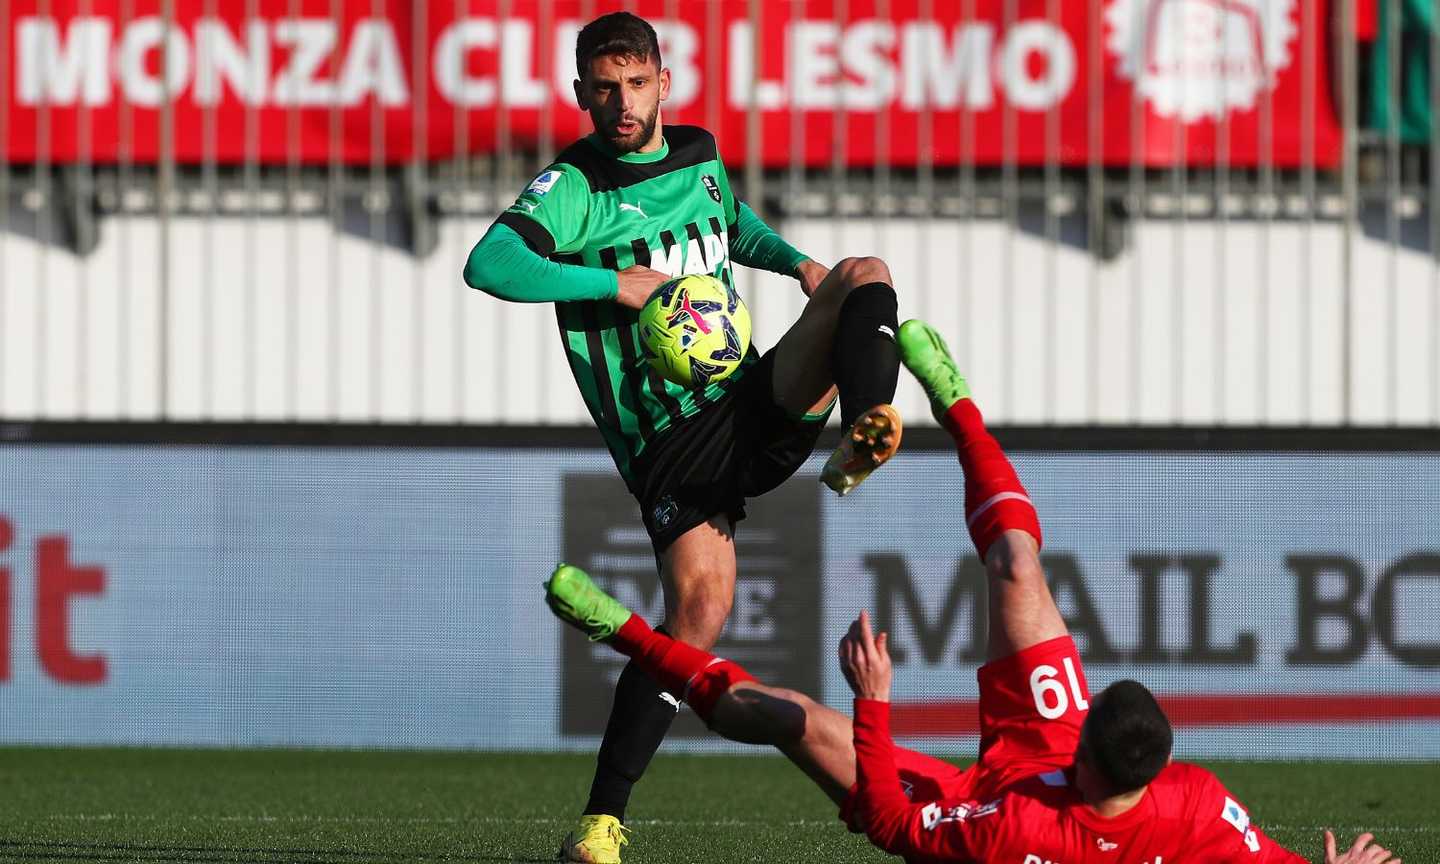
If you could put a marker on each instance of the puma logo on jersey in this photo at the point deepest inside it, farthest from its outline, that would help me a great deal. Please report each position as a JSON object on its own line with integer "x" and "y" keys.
{"x": 1106, "y": 845}
{"x": 635, "y": 208}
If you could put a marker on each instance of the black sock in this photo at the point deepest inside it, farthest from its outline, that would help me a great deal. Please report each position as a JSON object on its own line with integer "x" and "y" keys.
{"x": 639, "y": 719}
{"x": 863, "y": 357}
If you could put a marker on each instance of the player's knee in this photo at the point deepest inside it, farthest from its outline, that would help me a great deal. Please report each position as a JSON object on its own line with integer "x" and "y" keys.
{"x": 700, "y": 618}
{"x": 1017, "y": 569}
{"x": 858, "y": 271}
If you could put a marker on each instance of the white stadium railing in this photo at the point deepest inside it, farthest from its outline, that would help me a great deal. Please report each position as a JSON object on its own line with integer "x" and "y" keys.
{"x": 169, "y": 256}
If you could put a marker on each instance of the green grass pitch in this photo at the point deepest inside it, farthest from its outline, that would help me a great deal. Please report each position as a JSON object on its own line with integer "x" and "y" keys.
{"x": 376, "y": 808}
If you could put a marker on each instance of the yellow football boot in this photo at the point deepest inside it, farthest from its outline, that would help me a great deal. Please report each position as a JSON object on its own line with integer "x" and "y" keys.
{"x": 596, "y": 840}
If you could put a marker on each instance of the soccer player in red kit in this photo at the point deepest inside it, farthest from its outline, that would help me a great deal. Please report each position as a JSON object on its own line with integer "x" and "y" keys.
{"x": 1063, "y": 777}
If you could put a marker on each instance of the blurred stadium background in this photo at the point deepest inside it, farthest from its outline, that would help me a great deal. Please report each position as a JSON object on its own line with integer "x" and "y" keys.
{"x": 273, "y": 476}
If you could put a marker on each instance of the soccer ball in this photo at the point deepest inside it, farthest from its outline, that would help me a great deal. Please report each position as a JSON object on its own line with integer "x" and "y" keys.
{"x": 695, "y": 330}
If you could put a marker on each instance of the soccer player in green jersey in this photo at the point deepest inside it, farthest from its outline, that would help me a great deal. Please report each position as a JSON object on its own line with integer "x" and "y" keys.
{"x": 615, "y": 215}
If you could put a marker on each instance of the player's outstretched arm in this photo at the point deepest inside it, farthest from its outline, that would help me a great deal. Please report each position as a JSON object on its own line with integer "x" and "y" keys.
{"x": 1222, "y": 827}
{"x": 512, "y": 261}
{"x": 503, "y": 265}
{"x": 1363, "y": 851}
{"x": 932, "y": 830}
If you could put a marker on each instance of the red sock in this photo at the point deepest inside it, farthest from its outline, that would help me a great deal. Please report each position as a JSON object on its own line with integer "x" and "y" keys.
{"x": 698, "y": 677}
{"x": 995, "y": 501}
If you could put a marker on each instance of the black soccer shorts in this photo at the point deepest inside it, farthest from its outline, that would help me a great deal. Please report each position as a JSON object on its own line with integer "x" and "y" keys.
{"x": 739, "y": 447}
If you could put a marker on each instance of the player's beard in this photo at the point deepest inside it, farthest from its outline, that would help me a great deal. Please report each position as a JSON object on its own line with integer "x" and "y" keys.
{"x": 640, "y": 137}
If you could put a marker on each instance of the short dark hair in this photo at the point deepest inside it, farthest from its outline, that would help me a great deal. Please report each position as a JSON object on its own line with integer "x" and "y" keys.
{"x": 1126, "y": 737}
{"x": 616, "y": 34}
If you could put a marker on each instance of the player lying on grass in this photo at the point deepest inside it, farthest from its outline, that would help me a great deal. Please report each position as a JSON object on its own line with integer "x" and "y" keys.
{"x": 1061, "y": 776}
{"x": 614, "y": 216}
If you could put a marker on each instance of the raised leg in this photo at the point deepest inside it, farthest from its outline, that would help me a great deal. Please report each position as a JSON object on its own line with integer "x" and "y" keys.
{"x": 844, "y": 341}
{"x": 999, "y": 515}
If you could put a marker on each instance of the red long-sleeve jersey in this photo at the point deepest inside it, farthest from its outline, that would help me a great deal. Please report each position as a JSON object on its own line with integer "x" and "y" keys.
{"x": 1018, "y": 805}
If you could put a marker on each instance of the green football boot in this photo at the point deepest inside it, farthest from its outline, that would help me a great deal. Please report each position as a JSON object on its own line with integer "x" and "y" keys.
{"x": 925, "y": 354}
{"x": 579, "y": 602}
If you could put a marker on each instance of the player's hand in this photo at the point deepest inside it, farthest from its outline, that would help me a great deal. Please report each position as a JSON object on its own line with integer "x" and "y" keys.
{"x": 1363, "y": 852}
{"x": 811, "y": 274}
{"x": 637, "y": 283}
{"x": 865, "y": 660}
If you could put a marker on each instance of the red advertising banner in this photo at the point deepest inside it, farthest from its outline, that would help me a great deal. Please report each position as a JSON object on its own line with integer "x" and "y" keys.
{"x": 383, "y": 81}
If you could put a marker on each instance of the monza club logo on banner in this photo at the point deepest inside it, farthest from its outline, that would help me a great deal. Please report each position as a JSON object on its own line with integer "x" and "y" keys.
{"x": 1194, "y": 59}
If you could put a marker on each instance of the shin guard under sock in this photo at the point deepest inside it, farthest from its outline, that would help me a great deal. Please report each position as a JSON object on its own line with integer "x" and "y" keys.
{"x": 864, "y": 359}
{"x": 995, "y": 501}
{"x": 639, "y": 719}
{"x": 698, "y": 677}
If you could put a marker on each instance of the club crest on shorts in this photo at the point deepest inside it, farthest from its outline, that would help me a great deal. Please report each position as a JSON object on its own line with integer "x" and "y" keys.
{"x": 665, "y": 511}
{"x": 711, "y": 186}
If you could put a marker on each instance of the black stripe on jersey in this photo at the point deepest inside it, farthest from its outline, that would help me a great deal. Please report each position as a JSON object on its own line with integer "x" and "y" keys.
{"x": 693, "y": 232}
{"x": 641, "y": 250}
{"x": 657, "y": 386}
{"x": 667, "y": 240}
{"x": 629, "y": 353}
{"x": 733, "y": 227}
{"x": 689, "y": 145}
{"x": 537, "y": 236}
{"x": 566, "y": 312}
{"x": 718, "y": 230}
{"x": 599, "y": 366}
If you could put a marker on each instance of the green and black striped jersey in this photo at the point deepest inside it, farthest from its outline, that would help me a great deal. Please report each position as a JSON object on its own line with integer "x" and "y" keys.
{"x": 671, "y": 210}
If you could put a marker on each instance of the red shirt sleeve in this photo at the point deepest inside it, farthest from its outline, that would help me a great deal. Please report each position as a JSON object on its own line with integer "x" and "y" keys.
{"x": 1222, "y": 828}
{"x": 948, "y": 830}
